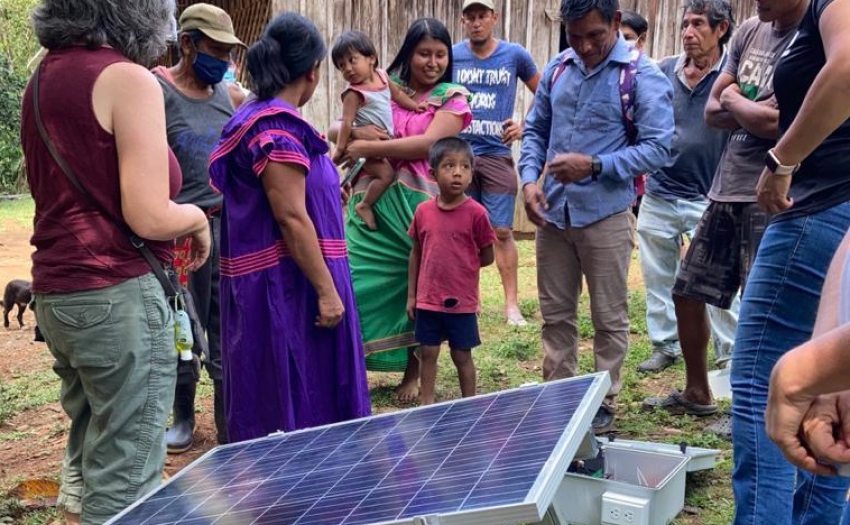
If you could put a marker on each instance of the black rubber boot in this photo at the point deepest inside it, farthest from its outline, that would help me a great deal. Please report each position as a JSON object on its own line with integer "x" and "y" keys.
{"x": 178, "y": 439}
{"x": 218, "y": 412}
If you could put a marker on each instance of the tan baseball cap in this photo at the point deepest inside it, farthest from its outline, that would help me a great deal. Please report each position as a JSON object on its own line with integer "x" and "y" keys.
{"x": 210, "y": 20}
{"x": 484, "y": 3}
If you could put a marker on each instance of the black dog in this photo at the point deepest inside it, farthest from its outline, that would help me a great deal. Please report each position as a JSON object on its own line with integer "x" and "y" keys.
{"x": 18, "y": 292}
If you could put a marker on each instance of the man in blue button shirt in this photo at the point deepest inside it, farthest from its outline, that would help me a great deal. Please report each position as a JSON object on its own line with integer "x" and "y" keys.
{"x": 585, "y": 227}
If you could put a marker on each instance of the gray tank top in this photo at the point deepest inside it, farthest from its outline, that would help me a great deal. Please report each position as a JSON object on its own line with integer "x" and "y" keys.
{"x": 194, "y": 127}
{"x": 376, "y": 109}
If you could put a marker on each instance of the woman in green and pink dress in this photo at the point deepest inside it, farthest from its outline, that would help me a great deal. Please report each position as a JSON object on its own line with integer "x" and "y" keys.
{"x": 379, "y": 258}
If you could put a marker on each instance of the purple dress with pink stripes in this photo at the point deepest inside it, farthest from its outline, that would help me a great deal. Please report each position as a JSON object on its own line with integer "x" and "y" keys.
{"x": 281, "y": 372}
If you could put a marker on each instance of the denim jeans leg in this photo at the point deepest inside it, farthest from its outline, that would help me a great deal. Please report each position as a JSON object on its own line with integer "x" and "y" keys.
{"x": 724, "y": 323}
{"x": 659, "y": 241}
{"x": 777, "y": 314}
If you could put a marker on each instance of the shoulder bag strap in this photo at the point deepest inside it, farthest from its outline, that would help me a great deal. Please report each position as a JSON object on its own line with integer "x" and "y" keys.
{"x": 628, "y": 73}
{"x": 135, "y": 240}
{"x": 627, "y": 87}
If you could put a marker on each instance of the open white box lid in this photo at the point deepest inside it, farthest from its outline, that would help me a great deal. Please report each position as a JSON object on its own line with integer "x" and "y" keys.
{"x": 698, "y": 458}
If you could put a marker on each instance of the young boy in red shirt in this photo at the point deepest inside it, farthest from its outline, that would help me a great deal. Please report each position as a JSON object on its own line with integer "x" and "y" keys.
{"x": 452, "y": 240}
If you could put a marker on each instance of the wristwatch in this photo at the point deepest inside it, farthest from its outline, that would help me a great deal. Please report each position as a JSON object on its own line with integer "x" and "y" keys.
{"x": 595, "y": 167}
{"x": 774, "y": 165}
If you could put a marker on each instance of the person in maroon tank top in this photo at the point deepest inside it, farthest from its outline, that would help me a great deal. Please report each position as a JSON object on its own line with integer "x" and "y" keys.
{"x": 102, "y": 311}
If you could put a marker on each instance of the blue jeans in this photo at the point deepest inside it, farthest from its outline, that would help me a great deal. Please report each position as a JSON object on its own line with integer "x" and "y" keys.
{"x": 777, "y": 314}
{"x": 660, "y": 227}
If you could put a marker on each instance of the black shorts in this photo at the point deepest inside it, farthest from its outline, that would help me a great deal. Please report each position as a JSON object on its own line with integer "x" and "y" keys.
{"x": 721, "y": 253}
{"x": 460, "y": 330}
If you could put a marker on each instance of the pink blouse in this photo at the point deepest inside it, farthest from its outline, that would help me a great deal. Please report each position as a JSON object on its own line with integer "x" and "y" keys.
{"x": 409, "y": 123}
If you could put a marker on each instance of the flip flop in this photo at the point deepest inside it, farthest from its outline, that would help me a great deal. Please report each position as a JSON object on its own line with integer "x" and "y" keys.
{"x": 722, "y": 426}
{"x": 677, "y": 404}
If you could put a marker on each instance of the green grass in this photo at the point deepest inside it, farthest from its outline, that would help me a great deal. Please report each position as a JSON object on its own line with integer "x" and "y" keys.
{"x": 27, "y": 391}
{"x": 511, "y": 356}
{"x": 508, "y": 357}
{"x": 17, "y": 211}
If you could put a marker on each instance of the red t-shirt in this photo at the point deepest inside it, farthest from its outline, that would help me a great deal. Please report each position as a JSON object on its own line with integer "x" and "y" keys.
{"x": 451, "y": 242}
{"x": 78, "y": 247}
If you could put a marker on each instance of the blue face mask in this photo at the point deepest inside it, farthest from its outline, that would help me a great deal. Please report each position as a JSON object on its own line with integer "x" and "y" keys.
{"x": 210, "y": 70}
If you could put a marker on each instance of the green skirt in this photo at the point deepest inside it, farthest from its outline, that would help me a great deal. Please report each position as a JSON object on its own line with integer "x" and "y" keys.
{"x": 379, "y": 262}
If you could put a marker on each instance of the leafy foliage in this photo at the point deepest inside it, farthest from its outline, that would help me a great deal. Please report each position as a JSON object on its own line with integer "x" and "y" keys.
{"x": 17, "y": 46}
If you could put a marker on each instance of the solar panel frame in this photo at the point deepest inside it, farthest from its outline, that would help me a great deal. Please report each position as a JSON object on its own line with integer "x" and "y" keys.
{"x": 531, "y": 509}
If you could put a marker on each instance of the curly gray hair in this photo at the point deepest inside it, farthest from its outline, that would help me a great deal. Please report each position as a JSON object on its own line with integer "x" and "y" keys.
{"x": 139, "y": 29}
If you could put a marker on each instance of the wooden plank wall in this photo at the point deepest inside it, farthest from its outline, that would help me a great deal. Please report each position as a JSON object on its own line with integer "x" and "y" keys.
{"x": 531, "y": 23}
{"x": 386, "y": 22}
{"x": 664, "y": 17}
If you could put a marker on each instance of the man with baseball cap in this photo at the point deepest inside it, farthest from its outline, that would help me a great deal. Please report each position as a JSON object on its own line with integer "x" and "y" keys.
{"x": 197, "y": 106}
{"x": 210, "y": 20}
{"x": 489, "y": 68}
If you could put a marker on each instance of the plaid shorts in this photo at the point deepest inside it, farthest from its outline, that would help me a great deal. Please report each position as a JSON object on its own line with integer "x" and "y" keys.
{"x": 721, "y": 253}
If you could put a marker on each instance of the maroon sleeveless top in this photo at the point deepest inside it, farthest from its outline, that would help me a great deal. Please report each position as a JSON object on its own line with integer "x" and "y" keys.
{"x": 77, "y": 246}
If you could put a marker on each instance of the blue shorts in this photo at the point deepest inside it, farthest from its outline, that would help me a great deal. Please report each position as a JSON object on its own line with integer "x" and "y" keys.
{"x": 460, "y": 330}
{"x": 494, "y": 185}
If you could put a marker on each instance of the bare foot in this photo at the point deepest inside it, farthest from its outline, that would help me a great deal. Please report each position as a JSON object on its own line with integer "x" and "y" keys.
{"x": 407, "y": 391}
{"x": 515, "y": 317}
{"x": 365, "y": 213}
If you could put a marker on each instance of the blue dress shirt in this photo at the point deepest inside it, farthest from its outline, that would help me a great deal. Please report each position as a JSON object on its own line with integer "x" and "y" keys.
{"x": 581, "y": 113}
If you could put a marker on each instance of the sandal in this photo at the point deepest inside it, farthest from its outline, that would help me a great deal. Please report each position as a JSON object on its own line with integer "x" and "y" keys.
{"x": 677, "y": 404}
{"x": 722, "y": 427}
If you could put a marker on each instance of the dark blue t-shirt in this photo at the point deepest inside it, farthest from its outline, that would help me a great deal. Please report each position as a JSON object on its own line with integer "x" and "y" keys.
{"x": 696, "y": 147}
{"x": 493, "y": 84}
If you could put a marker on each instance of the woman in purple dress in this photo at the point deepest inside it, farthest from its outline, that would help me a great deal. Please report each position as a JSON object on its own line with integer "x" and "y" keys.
{"x": 292, "y": 354}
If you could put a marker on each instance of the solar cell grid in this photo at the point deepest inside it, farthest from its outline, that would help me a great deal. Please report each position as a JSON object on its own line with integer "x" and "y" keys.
{"x": 477, "y": 453}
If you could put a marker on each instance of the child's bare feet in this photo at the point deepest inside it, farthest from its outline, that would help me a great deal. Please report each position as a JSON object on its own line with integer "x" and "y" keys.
{"x": 426, "y": 400}
{"x": 365, "y": 213}
{"x": 408, "y": 391}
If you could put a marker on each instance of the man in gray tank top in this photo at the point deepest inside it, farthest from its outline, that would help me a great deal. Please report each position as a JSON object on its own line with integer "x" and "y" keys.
{"x": 197, "y": 106}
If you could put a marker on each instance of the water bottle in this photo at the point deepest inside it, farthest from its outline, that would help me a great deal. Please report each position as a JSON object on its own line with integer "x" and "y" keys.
{"x": 183, "y": 339}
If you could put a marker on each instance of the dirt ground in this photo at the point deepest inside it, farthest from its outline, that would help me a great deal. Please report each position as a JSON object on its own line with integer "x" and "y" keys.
{"x": 40, "y": 433}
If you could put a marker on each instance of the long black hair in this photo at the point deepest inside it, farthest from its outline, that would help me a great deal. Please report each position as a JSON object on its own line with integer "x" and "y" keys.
{"x": 291, "y": 46}
{"x": 420, "y": 29}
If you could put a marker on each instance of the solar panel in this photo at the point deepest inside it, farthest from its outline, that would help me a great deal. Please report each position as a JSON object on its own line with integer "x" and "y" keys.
{"x": 492, "y": 459}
